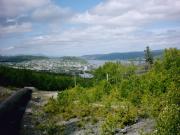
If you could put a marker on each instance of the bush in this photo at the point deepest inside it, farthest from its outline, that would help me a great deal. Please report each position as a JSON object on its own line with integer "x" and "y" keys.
{"x": 126, "y": 96}
{"x": 111, "y": 122}
{"x": 168, "y": 122}
{"x": 50, "y": 128}
{"x": 119, "y": 117}
{"x": 51, "y": 107}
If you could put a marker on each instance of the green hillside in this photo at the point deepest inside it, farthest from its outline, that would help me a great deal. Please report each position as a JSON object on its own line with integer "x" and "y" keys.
{"x": 121, "y": 100}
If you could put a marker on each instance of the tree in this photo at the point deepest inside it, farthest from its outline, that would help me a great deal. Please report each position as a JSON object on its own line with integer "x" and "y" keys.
{"x": 148, "y": 56}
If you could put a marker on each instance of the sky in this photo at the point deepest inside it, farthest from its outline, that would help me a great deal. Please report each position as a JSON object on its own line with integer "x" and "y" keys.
{"x": 81, "y": 27}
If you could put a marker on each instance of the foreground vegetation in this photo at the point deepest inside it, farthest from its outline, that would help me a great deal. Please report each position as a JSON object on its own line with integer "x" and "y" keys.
{"x": 122, "y": 99}
{"x": 41, "y": 80}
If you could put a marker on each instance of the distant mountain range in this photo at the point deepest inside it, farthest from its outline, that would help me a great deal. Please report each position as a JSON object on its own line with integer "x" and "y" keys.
{"x": 21, "y": 58}
{"x": 121, "y": 56}
{"x": 110, "y": 56}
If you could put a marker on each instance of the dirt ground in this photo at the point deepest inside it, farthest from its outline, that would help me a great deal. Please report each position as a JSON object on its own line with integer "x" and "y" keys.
{"x": 39, "y": 98}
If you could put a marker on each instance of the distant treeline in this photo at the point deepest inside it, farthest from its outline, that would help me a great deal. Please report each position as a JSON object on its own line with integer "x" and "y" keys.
{"x": 20, "y": 58}
{"x": 41, "y": 80}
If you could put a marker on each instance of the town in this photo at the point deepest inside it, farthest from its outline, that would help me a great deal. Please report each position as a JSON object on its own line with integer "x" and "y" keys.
{"x": 73, "y": 66}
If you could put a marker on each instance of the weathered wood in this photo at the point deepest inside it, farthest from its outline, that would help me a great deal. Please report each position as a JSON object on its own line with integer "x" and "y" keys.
{"x": 12, "y": 110}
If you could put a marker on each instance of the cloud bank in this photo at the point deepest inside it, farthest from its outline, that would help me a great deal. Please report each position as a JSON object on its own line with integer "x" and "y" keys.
{"x": 110, "y": 26}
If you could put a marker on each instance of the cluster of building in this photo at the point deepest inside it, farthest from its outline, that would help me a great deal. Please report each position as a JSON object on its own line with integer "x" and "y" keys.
{"x": 56, "y": 66}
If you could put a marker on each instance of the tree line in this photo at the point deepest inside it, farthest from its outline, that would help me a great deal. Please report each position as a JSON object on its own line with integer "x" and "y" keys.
{"x": 40, "y": 80}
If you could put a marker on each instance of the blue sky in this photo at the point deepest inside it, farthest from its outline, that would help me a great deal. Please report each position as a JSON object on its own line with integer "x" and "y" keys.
{"x": 78, "y": 5}
{"x": 80, "y": 27}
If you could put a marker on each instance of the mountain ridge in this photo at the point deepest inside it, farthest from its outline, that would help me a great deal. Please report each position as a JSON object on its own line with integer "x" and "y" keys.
{"x": 121, "y": 56}
{"x": 108, "y": 56}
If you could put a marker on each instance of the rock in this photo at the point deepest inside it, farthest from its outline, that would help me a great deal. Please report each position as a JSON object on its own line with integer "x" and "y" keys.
{"x": 124, "y": 130}
{"x": 31, "y": 88}
{"x": 119, "y": 131}
{"x": 36, "y": 99}
{"x": 29, "y": 111}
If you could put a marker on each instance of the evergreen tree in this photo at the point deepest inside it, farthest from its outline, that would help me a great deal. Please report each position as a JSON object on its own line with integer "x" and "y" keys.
{"x": 148, "y": 56}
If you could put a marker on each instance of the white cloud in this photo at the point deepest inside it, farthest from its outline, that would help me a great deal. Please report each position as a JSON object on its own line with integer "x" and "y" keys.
{"x": 100, "y": 37}
{"x": 17, "y": 28}
{"x": 12, "y": 8}
{"x": 16, "y": 14}
{"x": 128, "y": 12}
{"x": 51, "y": 13}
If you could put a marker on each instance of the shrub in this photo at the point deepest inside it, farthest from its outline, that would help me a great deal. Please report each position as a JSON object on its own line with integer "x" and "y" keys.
{"x": 51, "y": 106}
{"x": 168, "y": 122}
{"x": 50, "y": 128}
{"x": 110, "y": 124}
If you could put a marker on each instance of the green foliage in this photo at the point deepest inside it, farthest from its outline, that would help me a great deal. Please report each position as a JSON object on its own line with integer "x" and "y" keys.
{"x": 126, "y": 96}
{"x": 107, "y": 88}
{"x": 168, "y": 122}
{"x": 148, "y": 55}
{"x": 40, "y": 80}
{"x": 119, "y": 117}
{"x": 110, "y": 124}
{"x": 51, "y": 106}
{"x": 50, "y": 128}
{"x": 115, "y": 71}
{"x": 171, "y": 58}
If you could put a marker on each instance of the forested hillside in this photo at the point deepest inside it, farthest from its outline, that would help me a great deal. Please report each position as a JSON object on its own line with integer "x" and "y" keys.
{"x": 40, "y": 80}
{"x": 121, "y": 99}
{"x": 20, "y": 58}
